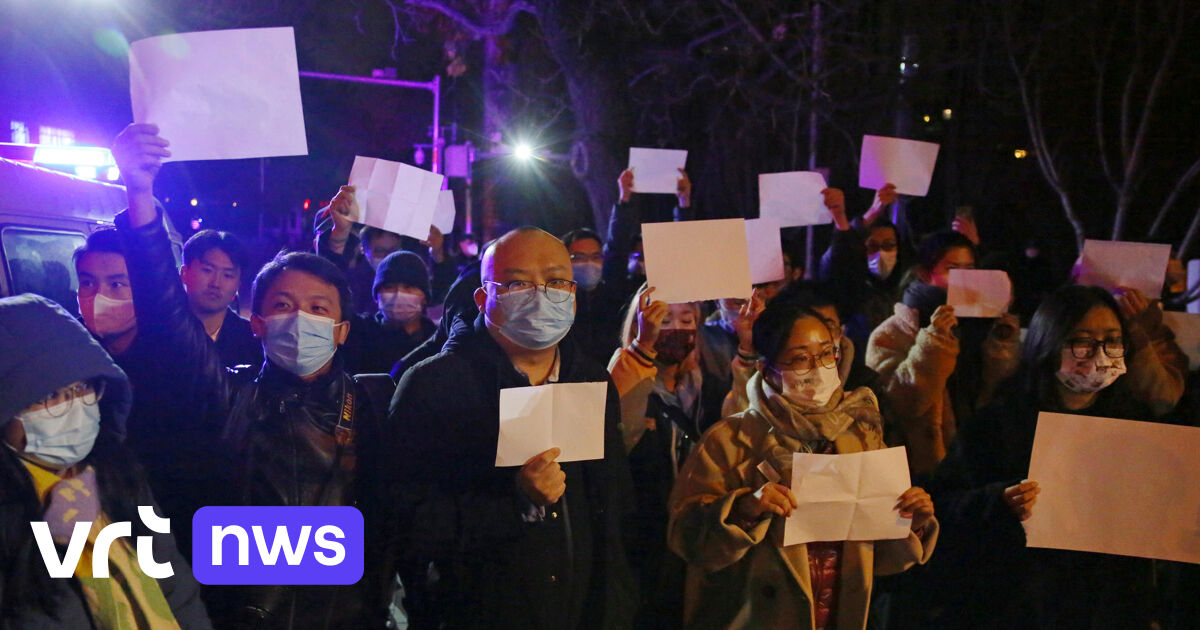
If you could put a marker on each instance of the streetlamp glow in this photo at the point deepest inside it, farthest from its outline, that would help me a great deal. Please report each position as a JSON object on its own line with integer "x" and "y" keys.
{"x": 522, "y": 151}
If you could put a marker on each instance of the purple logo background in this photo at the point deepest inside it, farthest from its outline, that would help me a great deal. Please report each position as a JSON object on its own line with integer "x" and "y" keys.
{"x": 309, "y": 570}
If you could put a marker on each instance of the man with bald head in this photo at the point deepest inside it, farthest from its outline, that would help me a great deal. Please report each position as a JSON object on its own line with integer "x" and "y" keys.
{"x": 486, "y": 547}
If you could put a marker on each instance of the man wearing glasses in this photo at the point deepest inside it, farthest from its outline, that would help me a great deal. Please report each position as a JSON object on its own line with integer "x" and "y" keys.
{"x": 530, "y": 547}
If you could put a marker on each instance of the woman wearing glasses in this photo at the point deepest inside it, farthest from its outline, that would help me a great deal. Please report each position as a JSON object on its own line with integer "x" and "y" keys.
{"x": 1073, "y": 361}
{"x": 63, "y": 404}
{"x": 728, "y": 504}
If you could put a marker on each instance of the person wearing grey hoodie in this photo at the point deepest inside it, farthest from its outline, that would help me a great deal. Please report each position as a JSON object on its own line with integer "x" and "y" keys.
{"x": 63, "y": 408}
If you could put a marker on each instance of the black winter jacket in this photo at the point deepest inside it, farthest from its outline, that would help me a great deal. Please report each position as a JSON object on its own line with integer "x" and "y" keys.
{"x": 469, "y": 559}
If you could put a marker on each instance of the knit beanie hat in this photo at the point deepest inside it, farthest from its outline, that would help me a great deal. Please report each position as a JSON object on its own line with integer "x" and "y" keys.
{"x": 43, "y": 348}
{"x": 403, "y": 267}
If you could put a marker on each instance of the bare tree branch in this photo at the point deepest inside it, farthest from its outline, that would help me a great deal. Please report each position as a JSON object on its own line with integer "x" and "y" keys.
{"x": 500, "y": 25}
{"x": 1180, "y": 185}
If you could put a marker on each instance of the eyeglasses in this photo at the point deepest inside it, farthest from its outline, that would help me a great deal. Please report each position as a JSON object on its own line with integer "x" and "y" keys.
{"x": 804, "y": 363}
{"x": 87, "y": 393}
{"x": 584, "y": 258}
{"x": 1085, "y": 347}
{"x": 887, "y": 246}
{"x": 557, "y": 291}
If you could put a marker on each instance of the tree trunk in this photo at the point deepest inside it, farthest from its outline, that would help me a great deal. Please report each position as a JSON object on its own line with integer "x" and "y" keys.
{"x": 603, "y": 122}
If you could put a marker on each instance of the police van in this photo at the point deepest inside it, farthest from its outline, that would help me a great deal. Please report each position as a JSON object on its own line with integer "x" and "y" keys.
{"x": 44, "y": 216}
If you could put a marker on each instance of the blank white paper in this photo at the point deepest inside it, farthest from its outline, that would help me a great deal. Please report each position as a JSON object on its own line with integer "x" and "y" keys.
{"x": 848, "y": 497}
{"x": 765, "y": 248}
{"x": 534, "y": 419}
{"x": 220, "y": 95}
{"x": 1123, "y": 487}
{"x": 443, "y": 216}
{"x": 1113, "y": 264}
{"x": 690, "y": 261}
{"x": 979, "y": 292}
{"x": 793, "y": 199}
{"x": 395, "y": 197}
{"x": 906, "y": 163}
{"x": 656, "y": 170}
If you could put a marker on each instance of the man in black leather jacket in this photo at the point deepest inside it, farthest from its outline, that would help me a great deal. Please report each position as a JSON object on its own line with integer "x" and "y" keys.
{"x": 292, "y": 435}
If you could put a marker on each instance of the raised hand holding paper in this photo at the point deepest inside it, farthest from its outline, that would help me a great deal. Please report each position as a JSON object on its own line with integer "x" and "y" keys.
{"x": 793, "y": 199}
{"x": 220, "y": 95}
{"x": 979, "y": 292}
{"x": 536, "y": 419}
{"x": 848, "y": 497}
{"x": 906, "y": 163}
{"x": 765, "y": 248}
{"x": 1142, "y": 502}
{"x": 656, "y": 170}
{"x": 395, "y": 197}
{"x": 689, "y": 261}
{"x": 443, "y": 216}
{"x": 1113, "y": 264}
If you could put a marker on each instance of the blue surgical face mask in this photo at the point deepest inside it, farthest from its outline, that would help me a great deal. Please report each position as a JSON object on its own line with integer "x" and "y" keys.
{"x": 534, "y": 321}
{"x": 299, "y": 342}
{"x": 587, "y": 274}
{"x": 62, "y": 435}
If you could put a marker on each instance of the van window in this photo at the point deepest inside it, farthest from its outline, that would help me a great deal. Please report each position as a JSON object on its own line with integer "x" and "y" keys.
{"x": 39, "y": 261}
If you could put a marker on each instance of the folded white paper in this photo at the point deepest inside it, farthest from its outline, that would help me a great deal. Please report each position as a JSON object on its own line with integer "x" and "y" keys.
{"x": 979, "y": 292}
{"x": 1123, "y": 487}
{"x": 765, "y": 248}
{"x": 1186, "y": 327}
{"x": 220, "y": 95}
{"x": 848, "y": 497}
{"x": 793, "y": 199}
{"x": 1113, "y": 264}
{"x": 656, "y": 170}
{"x": 395, "y": 197}
{"x": 690, "y": 261}
{"x": 535, "y": 419}
{"x": 443, "y": 216}
{"x": 906, "y": 163}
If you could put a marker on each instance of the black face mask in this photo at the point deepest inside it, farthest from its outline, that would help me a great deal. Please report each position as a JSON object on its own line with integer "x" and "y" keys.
{"x": 926, "y": 298}
{"x": 674, "y": 345}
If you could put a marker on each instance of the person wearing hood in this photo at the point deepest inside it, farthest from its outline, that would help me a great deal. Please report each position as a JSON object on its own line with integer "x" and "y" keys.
{"x": 1074, "y": 362}
{"x": 534, "y": 547}
{"x": 936, "y": 371}
{"x": 63, "y": 407}
{"x": 402, "y": 292}
{"x": 727, "y": 517}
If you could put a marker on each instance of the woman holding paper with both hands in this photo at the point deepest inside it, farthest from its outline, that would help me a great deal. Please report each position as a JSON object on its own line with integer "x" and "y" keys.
{"x": 724, "y": 502}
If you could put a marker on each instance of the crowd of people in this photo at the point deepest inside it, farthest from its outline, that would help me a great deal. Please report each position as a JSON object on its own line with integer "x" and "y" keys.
{"x": 369, "y": 372}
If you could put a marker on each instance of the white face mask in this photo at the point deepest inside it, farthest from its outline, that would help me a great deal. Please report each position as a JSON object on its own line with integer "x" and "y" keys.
{"x": 882, "y": 263}
{"x": 1088, "y": 376}
{"x": 399, "y": 306}
{"x": 106, "y": 317}
{"x": 62, "y": 435}
{"x": 300, "y": 342}
{"x": 813, "y": 389}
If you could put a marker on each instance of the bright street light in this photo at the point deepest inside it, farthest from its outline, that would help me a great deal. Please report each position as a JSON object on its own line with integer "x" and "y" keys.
{"x": 523, "y": 151}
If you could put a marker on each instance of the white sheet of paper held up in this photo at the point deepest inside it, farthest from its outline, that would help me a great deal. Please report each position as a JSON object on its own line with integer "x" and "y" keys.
{"x": 1193, "y": 274}
{"x": 793, "y": 199}
{"x": 690, "y": 261}
{"x": 1123, "y": 487}
{"x": 906, "y": 163}
{"x": 765, "y": 248}
{"x": 395, "y": 197}
{"x": 656, "y": 170}
{"x": 848, "y": 497}
{"x": 1112, "y": 264}
{"x": 220, "y": 95}
{"x": 1186, "y": 327}
{"x": 443, "y": 216}
{"x": 534, "y": 419}
{"x": 979, "y": 292}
